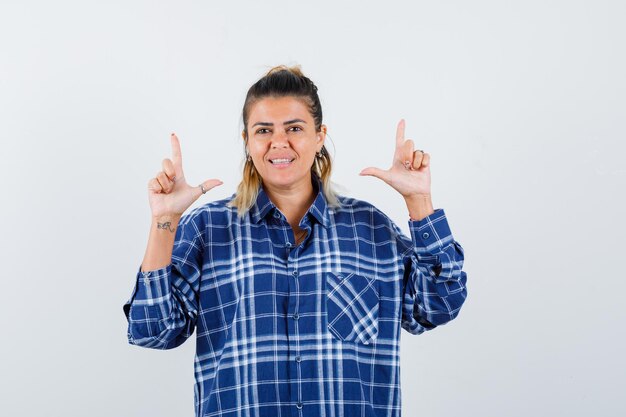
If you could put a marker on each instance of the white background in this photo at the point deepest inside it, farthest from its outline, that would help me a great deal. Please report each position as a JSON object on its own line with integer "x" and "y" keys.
{"x": 520, "y": 104}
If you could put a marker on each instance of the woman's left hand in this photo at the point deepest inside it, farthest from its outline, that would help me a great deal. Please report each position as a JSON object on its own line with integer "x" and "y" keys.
{"x": 410, "y": 170}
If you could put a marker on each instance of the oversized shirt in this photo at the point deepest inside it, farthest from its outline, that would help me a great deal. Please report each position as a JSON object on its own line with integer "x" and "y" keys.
{"x": 288, "y": 330}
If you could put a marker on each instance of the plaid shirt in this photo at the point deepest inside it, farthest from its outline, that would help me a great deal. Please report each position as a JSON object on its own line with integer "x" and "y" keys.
{"x": 298, "y": 330}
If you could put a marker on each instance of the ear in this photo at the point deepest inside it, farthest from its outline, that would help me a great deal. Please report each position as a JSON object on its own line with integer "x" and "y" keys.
{"x": 243, "y": 135}
{"x": 321, "y": 137}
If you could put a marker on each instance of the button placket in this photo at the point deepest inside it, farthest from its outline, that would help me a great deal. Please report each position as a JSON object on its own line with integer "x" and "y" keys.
{"x": 293, "y": 325}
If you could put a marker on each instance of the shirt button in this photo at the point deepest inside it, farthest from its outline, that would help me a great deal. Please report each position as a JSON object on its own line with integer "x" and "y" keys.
{"x": 298, "y": 359}
{"x": 295, "y": 273}
{"x": 296, "y": 316}
{"x": 299, "y": 406}
{"x": 425, "y": 235}
{"x": 288, "y": 244}
{"x": 276, "y": 215}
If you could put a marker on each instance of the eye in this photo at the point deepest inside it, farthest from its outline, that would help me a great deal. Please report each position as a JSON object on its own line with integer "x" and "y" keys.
{"x": 296, "y": 128}
{"x": 262, "y": 131}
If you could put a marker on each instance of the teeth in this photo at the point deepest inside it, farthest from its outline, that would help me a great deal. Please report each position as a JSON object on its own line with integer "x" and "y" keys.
{"x": 280, "y": 161}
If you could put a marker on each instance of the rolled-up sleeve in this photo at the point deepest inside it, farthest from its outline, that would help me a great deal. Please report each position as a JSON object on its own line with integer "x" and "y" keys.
{"x": 163, "y": 306}
{"x": 434, "y": 282}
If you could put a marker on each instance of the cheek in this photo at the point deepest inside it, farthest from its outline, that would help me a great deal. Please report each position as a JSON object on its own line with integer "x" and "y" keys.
{"x": 257, "y": 149}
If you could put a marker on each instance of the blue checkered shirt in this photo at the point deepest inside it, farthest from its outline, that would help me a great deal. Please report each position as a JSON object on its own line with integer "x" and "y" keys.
{"x": 298, "y": 330}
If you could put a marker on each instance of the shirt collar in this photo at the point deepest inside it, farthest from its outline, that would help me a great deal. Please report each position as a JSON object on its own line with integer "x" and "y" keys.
{"x": 319, "y": 209}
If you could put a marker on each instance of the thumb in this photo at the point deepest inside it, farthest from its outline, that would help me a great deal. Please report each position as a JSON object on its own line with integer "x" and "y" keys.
{"x": 376, "y": 172}
{"x": 206, "y": 186}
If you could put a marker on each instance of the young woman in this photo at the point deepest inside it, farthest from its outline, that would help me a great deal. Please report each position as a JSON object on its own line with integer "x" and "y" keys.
{"x": 297, "y": 295}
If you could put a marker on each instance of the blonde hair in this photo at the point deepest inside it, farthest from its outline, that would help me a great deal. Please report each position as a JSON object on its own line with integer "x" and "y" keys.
{"x": 281, "y": 81}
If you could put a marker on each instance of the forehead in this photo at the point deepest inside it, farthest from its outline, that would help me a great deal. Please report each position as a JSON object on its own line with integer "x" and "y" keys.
{"x": 279, "y": 109}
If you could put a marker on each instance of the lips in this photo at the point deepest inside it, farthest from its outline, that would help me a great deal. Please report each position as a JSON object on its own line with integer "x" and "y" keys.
{"x": 280, "y": 161}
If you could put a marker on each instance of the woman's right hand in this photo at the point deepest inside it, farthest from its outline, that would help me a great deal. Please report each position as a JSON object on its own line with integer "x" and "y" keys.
{"x": 168, "y": 193}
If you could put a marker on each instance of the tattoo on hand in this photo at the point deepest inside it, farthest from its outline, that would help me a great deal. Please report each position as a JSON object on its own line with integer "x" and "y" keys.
{"x": 165, "y": 226}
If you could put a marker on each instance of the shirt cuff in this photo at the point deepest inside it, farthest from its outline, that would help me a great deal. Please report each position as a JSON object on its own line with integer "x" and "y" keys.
{"x": 151, "y": 288}
{"x": 432, "y": 233}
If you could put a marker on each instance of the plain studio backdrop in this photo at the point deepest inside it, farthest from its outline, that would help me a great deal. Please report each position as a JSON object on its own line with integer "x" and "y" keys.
{"x": 520, "y": 104}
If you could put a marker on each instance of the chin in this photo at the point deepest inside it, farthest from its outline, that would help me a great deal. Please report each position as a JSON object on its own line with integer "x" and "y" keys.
{"x": 281, "y": 181}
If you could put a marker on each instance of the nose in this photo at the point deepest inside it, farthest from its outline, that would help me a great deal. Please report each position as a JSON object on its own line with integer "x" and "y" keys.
{"x": 280, "y": 139}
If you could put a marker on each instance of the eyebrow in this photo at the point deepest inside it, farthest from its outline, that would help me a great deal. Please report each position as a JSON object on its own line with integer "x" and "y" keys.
{"x": 288, "y": 122}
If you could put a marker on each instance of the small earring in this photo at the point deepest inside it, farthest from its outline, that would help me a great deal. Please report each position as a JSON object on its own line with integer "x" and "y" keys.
{"x": 248, "y": 157}
{"x": 318, "y": 154}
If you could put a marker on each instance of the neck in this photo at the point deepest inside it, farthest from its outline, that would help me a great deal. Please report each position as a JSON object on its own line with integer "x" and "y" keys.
{"x": 293, "y": 203}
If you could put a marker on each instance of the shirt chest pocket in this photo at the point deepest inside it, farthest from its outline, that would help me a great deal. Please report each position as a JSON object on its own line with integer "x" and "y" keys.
{"x": 352, "y": 307}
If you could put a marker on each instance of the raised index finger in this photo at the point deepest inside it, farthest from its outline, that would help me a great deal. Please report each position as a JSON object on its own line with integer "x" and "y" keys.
{"x": 400, "y": 133}
{"x": 177, "y": 158}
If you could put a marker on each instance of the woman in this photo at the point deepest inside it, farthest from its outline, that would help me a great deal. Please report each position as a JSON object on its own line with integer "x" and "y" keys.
{"x": 297, "y": 295}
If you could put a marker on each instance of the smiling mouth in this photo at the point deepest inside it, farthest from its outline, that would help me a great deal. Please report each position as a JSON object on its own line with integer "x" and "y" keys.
{"x": 281, "y": 161}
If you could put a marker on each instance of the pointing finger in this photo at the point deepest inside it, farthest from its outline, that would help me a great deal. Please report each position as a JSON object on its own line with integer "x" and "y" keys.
{"x": 400, "y": 132}
{"x": 177, "y": 157}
